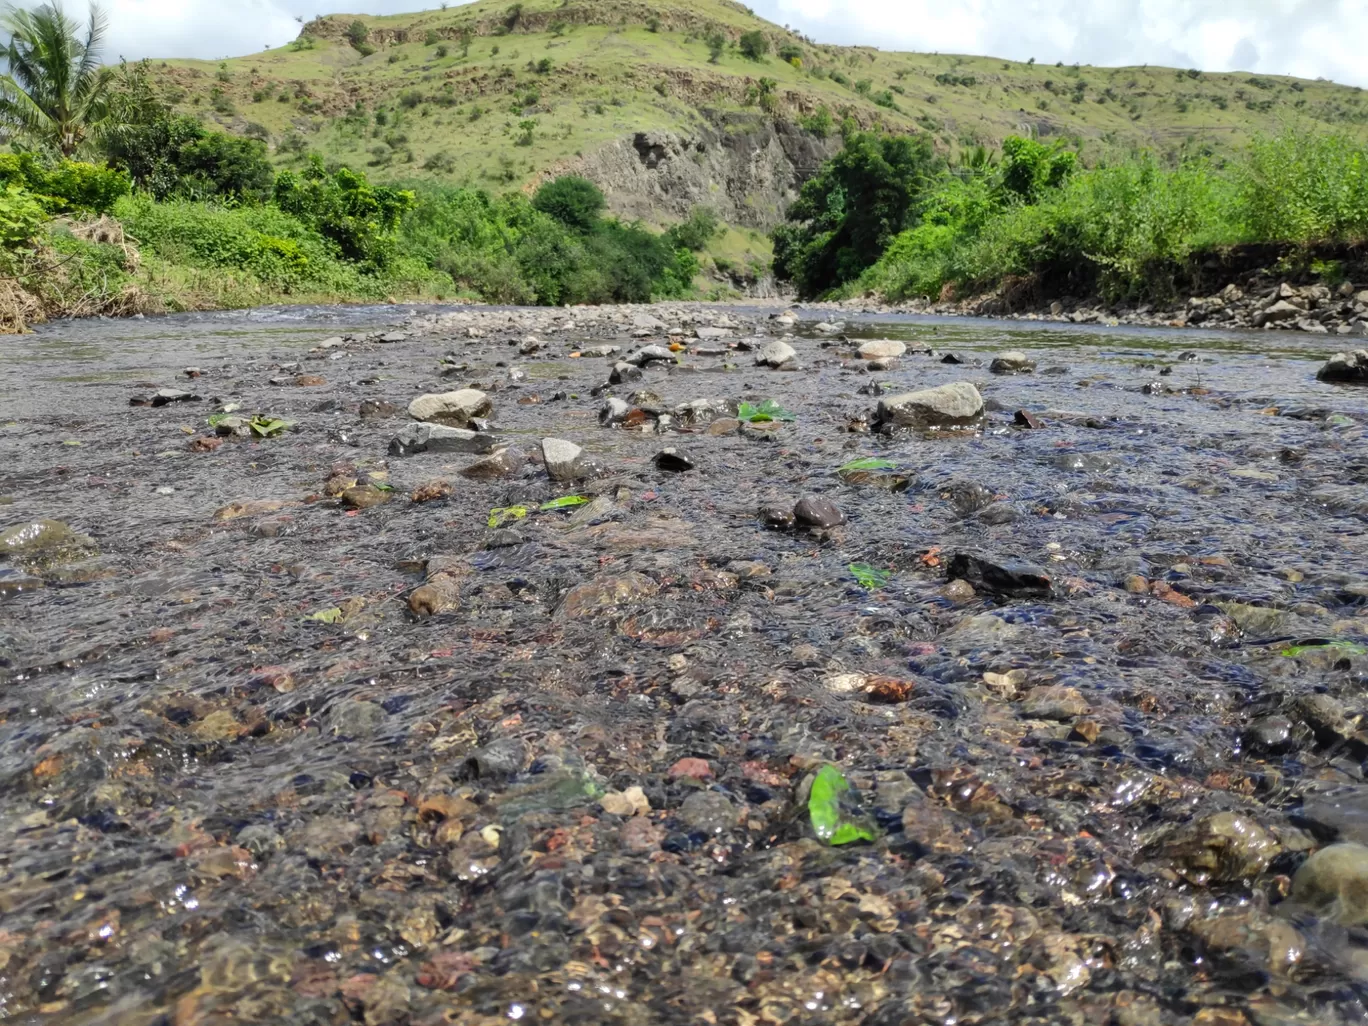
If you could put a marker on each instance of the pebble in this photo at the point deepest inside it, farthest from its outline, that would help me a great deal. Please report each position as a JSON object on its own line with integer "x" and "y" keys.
{"x": 674, "y": 461}
{"x": 507, "y": 462}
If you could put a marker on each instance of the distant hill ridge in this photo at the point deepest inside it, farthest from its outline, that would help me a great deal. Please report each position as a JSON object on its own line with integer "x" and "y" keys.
{"x": 501, "y": 95}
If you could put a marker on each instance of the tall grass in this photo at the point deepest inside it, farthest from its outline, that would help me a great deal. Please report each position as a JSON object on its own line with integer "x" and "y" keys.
{"x": 1134, "y": 228}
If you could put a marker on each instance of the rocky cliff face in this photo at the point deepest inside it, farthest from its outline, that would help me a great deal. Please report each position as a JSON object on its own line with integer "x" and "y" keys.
{"x": 747, "y": 168}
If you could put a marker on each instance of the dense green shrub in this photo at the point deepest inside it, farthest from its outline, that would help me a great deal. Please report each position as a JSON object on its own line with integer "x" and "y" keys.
{"x": 847, "y": 213}
{"x": 361, "y": 219}
{"x": 66, "y": 187}
{"x": 219, "y": 165}
{"x": 695, "y": 231}
{"x": 753, "y": 45}
{"x": 21, "y": 216}
{"x": 574, "y": 202}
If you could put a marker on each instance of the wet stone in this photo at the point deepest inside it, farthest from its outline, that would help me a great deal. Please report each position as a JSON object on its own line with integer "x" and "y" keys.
{"x": 562, "y": 459}
{"x": 417, "y": 438}
{"x": 775, "y": 354}
{"x": 1334, "y": 883}
{"x": 948, "y": 406}
{"x": 1006, "y": 577}
{"x": 709, "y": 812}
{"x": 1013, "y": 362}
{"x": 503, "y": 463}
{"x": 1055, "y": 703}
{"x": 454, "y": 409}
{"x": 674, "y": 461}
{"x": 882, "y": 349}
{"x": 818, "y": 511}
{"x": 41, "y": 539}
{"x": 1346, "y": 368}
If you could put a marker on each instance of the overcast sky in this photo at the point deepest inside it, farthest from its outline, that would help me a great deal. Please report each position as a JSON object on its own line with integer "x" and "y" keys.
{"x": 1310, "y": 38}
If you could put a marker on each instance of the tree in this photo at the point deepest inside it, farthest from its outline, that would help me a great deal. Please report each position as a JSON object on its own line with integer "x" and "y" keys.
{"x": 848, "y": 212}
{"x": 717, "y": 42}
{"x": 55, "y": 94}
{"x": 574, "y": 202}
{"x": 754, "y": 45}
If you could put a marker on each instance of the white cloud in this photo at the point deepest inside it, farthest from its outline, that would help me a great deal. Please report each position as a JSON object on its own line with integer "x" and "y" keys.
{"x": 1311, "y": 38}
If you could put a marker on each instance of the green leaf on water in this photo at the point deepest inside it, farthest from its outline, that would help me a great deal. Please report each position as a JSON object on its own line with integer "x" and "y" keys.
{"x": 215, "y": 419}
{"x": 333, "y": 615}
{"x": 506, "y": 514}
{"x": 565, "y": 502}
{"x": 267, "y": 427}
{"x": 766, "y": 411}
{"x": 868, "y": 463}
{"x": 824, "y": 809}
{"x": 868, "y": 576}
{"x": 382, "y": 487}
{"x": 1348, "y": 648}
{"x": 71, "y": 441}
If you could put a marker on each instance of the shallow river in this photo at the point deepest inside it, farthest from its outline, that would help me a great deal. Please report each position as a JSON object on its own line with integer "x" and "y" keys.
{"x": 216, "y": 806}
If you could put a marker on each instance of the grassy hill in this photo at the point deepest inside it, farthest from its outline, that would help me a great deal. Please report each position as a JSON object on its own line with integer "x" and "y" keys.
{"x": 499, "y": 94}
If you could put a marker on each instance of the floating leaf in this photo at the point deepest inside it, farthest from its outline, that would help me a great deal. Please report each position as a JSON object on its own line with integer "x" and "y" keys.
{"x": 333, "y": 615}
{"x": 267, "y": 427}
{"x": 868, "y": 463}
{"x": 766, "y": 411}
{"x": 1347, "y": 648}
{"x": 215, "y": 419}
{"x": 824, "y": 809}
{"x": 71, "y": 441}
{"x": 380, "y": 486}
{"x": 565, "y": 502}
{"x": 868, "y": 576}
{"x": 507, "y": 514}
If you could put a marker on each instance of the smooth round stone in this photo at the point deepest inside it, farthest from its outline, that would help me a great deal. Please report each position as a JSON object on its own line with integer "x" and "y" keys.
{"x": 1334, "y": 882}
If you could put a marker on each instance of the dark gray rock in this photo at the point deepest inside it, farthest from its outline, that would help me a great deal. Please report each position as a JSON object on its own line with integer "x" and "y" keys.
{"x": 1346, "y": 368}
{"x": 818, "y": 511}
{"x": 416, "y": 438}
{"x": 1008, "y": 578}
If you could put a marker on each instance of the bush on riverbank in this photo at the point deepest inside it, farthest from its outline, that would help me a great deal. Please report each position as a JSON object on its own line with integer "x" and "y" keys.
{"x": 1130, "y": 230}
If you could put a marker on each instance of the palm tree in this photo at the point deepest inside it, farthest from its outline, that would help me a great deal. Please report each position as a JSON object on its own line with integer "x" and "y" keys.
{"x": 55, "y": 93}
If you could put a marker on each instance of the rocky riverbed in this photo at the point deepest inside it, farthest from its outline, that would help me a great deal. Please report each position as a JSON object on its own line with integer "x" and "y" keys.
{"x": 679, "y": 665}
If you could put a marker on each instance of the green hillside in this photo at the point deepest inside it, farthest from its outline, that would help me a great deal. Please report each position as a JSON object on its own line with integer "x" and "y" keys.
{"x": 497, "y": 94}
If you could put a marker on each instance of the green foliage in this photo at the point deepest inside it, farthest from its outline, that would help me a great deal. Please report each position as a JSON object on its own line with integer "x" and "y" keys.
{"x": 819, "y": 123}
{"x": 753, "y": 45}
{"x": 1129, "y": 229}
{"x": 717, "y": 42}
{"x": 21, "y": 216}
{"x": 848, "y": 212}
{"x": 1030, "y": 168}
{"x": 574, "y": 202}
{"x": 695, "y": 231}
{"x": 829, "y": 821}
{"x": 431, "y": 38}
{"x": 361, "y": 219}
{"x": 564, "y": 502}
{"x": 358, "y": 34}
{"x": 869, "y": 578}
{"x": 66, "y": 187}
{"x": 867, "y": 463}
{"x": 761, "y": 413}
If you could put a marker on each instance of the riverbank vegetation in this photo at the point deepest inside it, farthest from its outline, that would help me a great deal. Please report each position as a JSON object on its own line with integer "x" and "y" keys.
{"x": 891, "y": 218}
{"x": 112, "y": 203}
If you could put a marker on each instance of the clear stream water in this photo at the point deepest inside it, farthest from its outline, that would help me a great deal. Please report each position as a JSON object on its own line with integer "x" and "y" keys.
{"x": 215, "y": 809}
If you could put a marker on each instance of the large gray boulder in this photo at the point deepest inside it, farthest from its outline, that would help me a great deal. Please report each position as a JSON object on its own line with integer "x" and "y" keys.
{"x": 954, "y": 405}
{"x": 454, "y": 409}
{"x": 1351, "y": 368}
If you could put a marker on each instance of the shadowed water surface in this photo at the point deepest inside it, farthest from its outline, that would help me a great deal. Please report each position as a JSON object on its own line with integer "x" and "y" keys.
{"x": 216, "y": 809}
